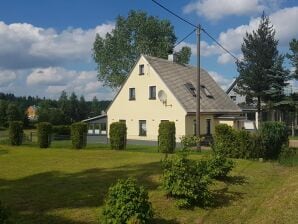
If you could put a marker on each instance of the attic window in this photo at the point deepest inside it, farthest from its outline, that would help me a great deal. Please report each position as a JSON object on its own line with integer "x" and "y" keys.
{"x": 206, "y": 91}
{"x": 141, "y": 70}
{"x": 191, "y": 89}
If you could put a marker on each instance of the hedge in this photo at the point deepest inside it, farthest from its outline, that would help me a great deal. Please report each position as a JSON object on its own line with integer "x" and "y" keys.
{"x": 44, "y": 131}
{"x": 16, "y": 132}
{"x": 166, "y": 137}
{"x": 79, "y": 135}
{"x": 61, "y": 129}
{"x": 118, "y": 135}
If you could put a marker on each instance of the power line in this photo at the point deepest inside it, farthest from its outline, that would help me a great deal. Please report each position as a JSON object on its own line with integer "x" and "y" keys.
{"x": 171, "y": 12}
{"x": 220, "y": 45}
{"x": 193, "y": 25}
{"x": 184, "y": 38}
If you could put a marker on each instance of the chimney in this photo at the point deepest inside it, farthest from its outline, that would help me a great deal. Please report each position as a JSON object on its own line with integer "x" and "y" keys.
{"x": 172, "y": 57}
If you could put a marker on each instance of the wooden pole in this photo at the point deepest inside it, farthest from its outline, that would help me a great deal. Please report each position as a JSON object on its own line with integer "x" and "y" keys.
{"x": 198, "y": 86}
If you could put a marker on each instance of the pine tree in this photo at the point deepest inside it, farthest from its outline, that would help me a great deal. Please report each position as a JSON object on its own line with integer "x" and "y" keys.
{"x": 293, "y": 56}
{"x": 261, "y": 72}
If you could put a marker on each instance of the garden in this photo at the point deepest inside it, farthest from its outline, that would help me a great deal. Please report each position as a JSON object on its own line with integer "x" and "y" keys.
{"x": 57, "y": 183}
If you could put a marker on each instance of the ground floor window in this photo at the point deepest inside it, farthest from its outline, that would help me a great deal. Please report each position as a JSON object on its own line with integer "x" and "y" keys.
{"x": 208, "y": 126}
{"x": 142, "y": 128}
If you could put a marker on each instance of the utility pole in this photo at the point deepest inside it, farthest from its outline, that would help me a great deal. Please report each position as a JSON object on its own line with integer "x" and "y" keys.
{"x": 198, "y": 86}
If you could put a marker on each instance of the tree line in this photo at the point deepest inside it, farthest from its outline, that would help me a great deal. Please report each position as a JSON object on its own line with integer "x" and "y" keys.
{"x": 64, "y": 111}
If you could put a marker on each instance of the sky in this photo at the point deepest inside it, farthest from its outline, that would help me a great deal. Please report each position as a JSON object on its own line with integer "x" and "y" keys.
{"x": 46, "y": 46}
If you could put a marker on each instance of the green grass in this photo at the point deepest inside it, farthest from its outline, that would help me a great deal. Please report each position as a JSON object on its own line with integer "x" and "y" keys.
{"x": 61, "y": 185}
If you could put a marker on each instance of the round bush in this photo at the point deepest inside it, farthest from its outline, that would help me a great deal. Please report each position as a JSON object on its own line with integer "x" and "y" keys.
{"x": 44, "y": 131}
{"x": 79, "y": 135}
{"x": 274, "y": 135}
{"x": 166, "y": 137}
{"x": 127, "y": 203}
{"x": 16, "y": 132}
{"x": 118, "y": 133}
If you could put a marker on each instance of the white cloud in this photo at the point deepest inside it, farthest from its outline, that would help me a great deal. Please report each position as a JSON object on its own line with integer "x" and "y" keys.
{"x": 7, "y": 77}
{"x": 223, "y": 82}
{"x": 217, "y": 9}
{"x": 206, "y": 49}
{"x": 23, "y": 45}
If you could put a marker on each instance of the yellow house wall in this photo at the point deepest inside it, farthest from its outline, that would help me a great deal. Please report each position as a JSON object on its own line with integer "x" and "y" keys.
{"x": 153, "y": 111}
{"x": 190, "y": 120}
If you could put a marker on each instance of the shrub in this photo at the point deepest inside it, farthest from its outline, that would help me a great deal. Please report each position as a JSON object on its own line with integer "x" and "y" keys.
{"x": 274, "y": 135}
{"x": 118, "y": 132}
{"x": 166, "y": 137}
{"x": 187, "y": 181}
{"x": 16, "y": 132}
{"x": 79, "y": 135}
{"x": 225, "y": 140}
{"x": 189, "y": 141}
{"x": 44, "y": 131}
{"x": 219, "y": 166}
{"x": 127, "y": 203}
{"x": 288, "y": 156}
{"x": 4, "y": 215}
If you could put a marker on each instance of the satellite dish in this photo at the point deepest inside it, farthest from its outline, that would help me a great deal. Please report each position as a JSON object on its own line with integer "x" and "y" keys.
{"x": 162, "y": 96}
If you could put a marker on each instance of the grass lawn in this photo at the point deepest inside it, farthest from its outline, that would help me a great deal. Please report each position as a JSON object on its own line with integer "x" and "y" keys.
{"x": 61, "y": 185}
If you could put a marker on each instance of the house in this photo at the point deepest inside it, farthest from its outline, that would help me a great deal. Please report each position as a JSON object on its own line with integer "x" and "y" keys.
{"x": 249, "y": 110}
{"x": 158, "y": 89}
{"x": 32, "y": 113}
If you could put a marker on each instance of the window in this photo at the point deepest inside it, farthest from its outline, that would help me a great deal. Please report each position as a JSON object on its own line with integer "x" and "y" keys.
{"x": 233, "y": 98}
{"x": 141, "y": 70}
{"x": 208, "y": 126}
{"x": 132, "y": 93}
{"x": 142, "y": 128}
{"x": 152, "y": 92}
{"x": 189, "y": 86}
{"x": 206, "y": 91}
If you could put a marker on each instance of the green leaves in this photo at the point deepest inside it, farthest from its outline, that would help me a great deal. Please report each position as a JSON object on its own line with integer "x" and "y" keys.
{"x": 16, "y": 132}
{"x": 118, "y": 132}
{"x": 44, "y": 131}
{"x": 167, "y": 137}
{"x": 79, "y": 135}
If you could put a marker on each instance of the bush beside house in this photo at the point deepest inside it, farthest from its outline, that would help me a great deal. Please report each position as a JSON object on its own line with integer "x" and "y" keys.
{"x": 79, "y": 135}
{"x": 118, "y": 133}
{"x": 167, "y": 137}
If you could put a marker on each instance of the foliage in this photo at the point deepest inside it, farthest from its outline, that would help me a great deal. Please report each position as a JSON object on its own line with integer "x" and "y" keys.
{"x": 61, "y": 129}
{"x": 13, "y": 113}
{"x": 44, "y": 131}
{"x": 274, "y": 135}
{"x": 137, "y": 34}
{"x": 183, "y": 55}
{"x": 79, "y": 135}
{"x": 187, "y": 181}
{"x": 218, "y": 167}
{"x": 189, "y": 141}
{"x": 225, "y": 140}
{"x": 3, "y": 108}
{"x": 261, "y": 72}
{"x": 4, "y": 215}
{"x": 288, "y": 156}
{"x": 293, "y": 56}
{"x": 16, "y": 132}
{"x": 118, "y": 132}
{"x": 167, "y": 137}
{"x": 127, "y": 202}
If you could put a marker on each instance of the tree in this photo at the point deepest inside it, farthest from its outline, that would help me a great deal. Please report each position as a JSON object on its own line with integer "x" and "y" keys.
{"x": 293, "y": 56}
{"x": 83, "y": 109}
{"x": 183, "y": 55}
{"x": 137, "y": 34}
{"x": 13, "y": 113}
{"x": 74, "y": 107}
{"x": 3, "y": 108}
{"x": 95, "y": 107}
{"x": 261, "y": 72}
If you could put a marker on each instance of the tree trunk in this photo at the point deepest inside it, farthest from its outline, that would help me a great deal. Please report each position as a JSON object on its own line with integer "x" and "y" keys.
{"x": 259, "y": 111}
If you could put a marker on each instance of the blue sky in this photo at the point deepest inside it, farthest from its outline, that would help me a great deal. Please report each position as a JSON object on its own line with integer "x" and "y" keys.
{"x": 45, "y": 46}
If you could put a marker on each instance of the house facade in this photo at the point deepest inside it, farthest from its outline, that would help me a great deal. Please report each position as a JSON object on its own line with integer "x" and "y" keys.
{"x": 157, "y": 90}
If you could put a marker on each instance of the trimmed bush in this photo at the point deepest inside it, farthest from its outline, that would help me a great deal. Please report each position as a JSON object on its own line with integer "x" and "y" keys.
{"x": 4, "y": 215}
{"x": 44, "y": 131}
{"x": 126, "y": 202}
{"x": 79, "y": 135}
{"x": 274, "y": 135}
{"x": 225, "y": 140}
{"x": 16, "y": 132}
{"x": 118, "y": 132}
{"x": 189, "y": 141}
{"x": 218, "y": 167}
{"x": 187, "y": 181}
{"x": 167, "y": 137}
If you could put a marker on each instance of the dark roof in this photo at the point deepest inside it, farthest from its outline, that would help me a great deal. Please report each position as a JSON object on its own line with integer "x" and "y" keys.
{"x": 232, "y": 86}
{"x": 175, "y": 76}
{"x": 95, "y": 118}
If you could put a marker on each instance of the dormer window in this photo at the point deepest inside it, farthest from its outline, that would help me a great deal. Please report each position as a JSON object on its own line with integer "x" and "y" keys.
{"x": 141, "y": 70}
{"x": 206, "y": 91}
{"x": 233, "y": 98}
{"x": 132, "y": 94}
{"x": 189, "y": 86}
